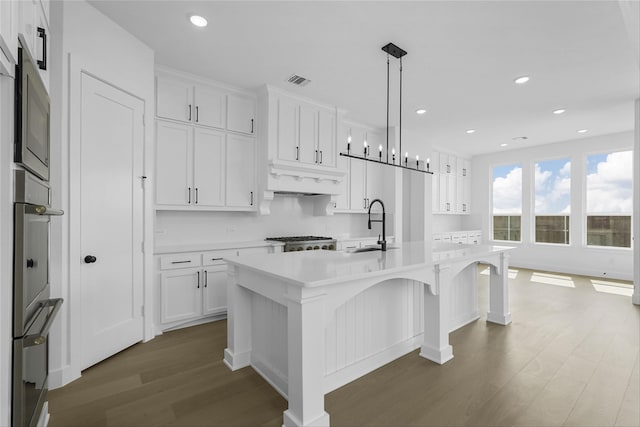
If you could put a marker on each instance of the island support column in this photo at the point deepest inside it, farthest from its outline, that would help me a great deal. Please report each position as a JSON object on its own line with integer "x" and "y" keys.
{"x": 436, "y": 345}
{"x": 306, "y": 353}
{"x": 499, "y": 292}
{"x": 238, "y": 354}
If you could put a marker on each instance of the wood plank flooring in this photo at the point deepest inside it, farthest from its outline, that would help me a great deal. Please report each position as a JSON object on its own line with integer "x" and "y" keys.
{"x": 570, "y": 358}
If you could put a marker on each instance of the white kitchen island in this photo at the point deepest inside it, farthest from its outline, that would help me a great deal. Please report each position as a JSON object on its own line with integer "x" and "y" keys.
{"x": 310, "y": 322}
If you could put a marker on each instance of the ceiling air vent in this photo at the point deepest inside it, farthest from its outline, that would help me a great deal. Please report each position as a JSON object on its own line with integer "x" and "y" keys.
{"x": 298, "y": 80}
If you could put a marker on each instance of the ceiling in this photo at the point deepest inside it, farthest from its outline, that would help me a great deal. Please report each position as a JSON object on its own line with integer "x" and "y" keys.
{"x": 463, "y": 57}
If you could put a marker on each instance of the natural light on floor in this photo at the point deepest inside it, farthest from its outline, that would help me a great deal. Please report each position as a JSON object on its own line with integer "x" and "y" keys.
{"x": 615, "y": 288}
{"x": 553, "y": 279}
{"x": 513, "y": 273}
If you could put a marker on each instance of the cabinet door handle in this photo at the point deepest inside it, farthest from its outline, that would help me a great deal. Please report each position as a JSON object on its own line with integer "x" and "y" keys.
{"x": 189, "y": 191}
{"x": 216, "y": 259}
{"x": 320, "y": 156}
{"x": 198, "y": 279}
{"x": 251, "y": 125}
{"x": 197, "y": 109}
{"x": 316, "y": 159}
{"x": 180, "y": 262}
{"x": 364, "y": 203}
{"x": 297, "y": 153}
{"x": 189, "y": 113}
{"x": 206, "y": 279}
{"x": 251, "y": 203}
{"x": 196, "y": 195}
{"x": 464, "y": 171}
{"x": 43, "y": 35}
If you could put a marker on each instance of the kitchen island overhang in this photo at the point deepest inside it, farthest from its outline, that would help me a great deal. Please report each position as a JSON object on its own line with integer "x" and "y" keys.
{"x": 285, "y": 314}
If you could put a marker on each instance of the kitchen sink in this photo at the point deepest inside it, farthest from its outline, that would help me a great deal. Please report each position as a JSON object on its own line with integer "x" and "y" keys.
{"x": 368, "y": 249}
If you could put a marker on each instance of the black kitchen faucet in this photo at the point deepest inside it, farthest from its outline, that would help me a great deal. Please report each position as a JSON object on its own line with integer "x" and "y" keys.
{"x": 382, "y": 242}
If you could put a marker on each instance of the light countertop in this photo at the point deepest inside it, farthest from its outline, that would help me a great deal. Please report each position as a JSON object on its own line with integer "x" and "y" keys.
{"x": 213, "y": 246}
{"x": 320, "y": 268}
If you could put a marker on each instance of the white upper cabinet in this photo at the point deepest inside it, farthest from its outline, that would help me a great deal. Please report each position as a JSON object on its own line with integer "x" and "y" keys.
{"x": 241, "y": 114}
{"x": 451, "y": 184}
{"x": 209, "y": 106}
{"x": 327, "y": 144}
{"x": 8, "y": 37}
{"x": 241, "y": 166}
{"x": 190, "y": 101}
{"x": 286, "y": 129}
{"x": 202, "y": 160}
{"x": 174, "y": 99}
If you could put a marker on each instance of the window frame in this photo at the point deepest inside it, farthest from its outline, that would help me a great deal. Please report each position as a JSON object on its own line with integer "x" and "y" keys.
{"x": 569, "y": 158}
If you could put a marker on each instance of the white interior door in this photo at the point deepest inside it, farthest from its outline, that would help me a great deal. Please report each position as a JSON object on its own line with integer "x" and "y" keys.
{"x": 111, "y": 220}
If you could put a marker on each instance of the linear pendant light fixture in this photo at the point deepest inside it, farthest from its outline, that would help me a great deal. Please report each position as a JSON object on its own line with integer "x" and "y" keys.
{"x": 396, "y": 52}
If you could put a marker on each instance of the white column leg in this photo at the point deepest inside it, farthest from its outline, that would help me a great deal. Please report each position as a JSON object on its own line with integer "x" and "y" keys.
{"x": 305, "y": 333}
{"x": 499, "y": 292}
{"x": 238, "y": 352}
{"x": 436, "y": 345}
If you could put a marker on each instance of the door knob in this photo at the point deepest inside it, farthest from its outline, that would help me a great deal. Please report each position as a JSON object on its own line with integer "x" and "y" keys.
{"x": 89, "y": 259}
{"x": 30, "y": 263}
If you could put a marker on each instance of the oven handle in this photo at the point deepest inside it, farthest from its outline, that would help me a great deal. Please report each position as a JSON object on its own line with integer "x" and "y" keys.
{"x": 43, "y": 210}
{"x": 41, "y": 337}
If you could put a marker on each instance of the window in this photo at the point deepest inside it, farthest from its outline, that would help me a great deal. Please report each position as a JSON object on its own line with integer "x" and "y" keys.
{"x": 553, "y": 201}
{"x": 609, "y": 199}
{"x": 507, "y": 202}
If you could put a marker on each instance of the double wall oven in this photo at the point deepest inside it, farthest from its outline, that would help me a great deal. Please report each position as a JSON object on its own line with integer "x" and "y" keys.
{"x": 33, "y": 309}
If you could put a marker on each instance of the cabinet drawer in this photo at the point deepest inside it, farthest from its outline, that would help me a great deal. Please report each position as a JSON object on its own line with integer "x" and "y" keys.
{"x": 170, "y": 262}
{"x": 216, "y": 257}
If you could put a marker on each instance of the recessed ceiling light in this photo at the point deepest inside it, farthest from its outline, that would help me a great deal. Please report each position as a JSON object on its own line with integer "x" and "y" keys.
{"x": 470, "y": 130}
{"x": 198, "y": 21}
{"x": 421, "y": 111}
{"x": 559, "y": 111}
{"x": 521, "y": 80}
{"x": 583, "y": 130}
{"x": 504, "y": 144}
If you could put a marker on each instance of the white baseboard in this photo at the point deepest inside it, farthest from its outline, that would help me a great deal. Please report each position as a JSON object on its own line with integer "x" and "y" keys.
{"x": 616, "y": 275}
{"x": 63, "y": 376}
{"x": 276, "y": 379}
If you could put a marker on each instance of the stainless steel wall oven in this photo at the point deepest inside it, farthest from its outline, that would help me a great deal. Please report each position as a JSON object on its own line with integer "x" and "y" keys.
{"x": 33, "y": 309}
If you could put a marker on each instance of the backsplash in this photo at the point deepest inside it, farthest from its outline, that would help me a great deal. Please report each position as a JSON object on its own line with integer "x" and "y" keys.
{"x": 290, "y": 215}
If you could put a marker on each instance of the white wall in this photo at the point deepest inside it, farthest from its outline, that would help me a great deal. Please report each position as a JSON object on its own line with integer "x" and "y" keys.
{"x": 6, "y": 245}
{"x": 290, "y": 215}
{"x": 636, "y": 206}
{"x": 83, "y": 36}
{"x": 574, "y": 258}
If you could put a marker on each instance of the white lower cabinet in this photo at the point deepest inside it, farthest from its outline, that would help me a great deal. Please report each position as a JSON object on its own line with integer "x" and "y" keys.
{"x": 193, "y": 285}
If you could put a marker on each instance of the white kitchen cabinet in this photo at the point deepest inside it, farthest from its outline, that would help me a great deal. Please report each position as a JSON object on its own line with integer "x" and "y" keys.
{"x": 180, "y": 295}
{"x": 342, "y": 199}
{"x": 8, "y": 36}
{"x": 305, "y": 132}
{"x": 174, "y": 164}
{"x": 193, "y": 285}
{"x": 208, "y": 168}
{"x": 451, "y": 184}
{"x": 241, "y": 114}
{"x": 357, "y": 185}
{"x": 209, "y": 106}
{"x": 241, "y": 176}
{"x": 31, "y": 24}
{"x": 214, "y": 290}
{"x": 185, "y": 101}
{"x": 190, "y": 166}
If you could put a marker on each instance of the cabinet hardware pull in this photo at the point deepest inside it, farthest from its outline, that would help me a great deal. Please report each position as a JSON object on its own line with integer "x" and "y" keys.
{"x": 206, "y": 279}
{"x": 251, "y": 125}
{"x": 316, "y": 159}
{"x": 464, "y": 171}
{"x": 297, "y": 153}
{"x": 320, "y": 156}
{"x": 198, "y": 279}
{"x": 216, "y": 259}
{"x": 189, "y": 113}
{"x": 43, "y": 35}
{"x": 180, "y": 262}
{"x": 364, "y": 203}
{"x": 251, "y": 203}
{"x": 197, "y": 108}
{"x": 189, "y": 201}
{"x": 196, "y": 195}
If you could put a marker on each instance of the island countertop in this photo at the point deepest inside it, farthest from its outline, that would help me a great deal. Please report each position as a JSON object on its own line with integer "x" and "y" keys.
{"x": 322, "y": 268}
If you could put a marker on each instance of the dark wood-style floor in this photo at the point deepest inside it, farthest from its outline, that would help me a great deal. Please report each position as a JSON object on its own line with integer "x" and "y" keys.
{"x": 570, "y": 357}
